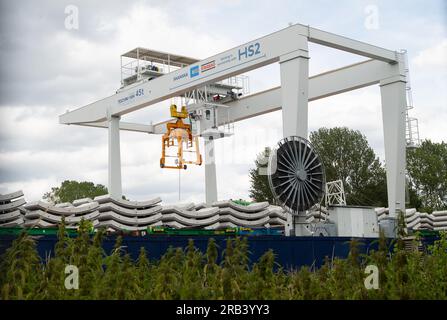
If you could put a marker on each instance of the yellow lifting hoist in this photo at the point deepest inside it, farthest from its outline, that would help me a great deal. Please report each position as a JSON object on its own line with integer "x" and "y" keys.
{"x": 179, "y": 135}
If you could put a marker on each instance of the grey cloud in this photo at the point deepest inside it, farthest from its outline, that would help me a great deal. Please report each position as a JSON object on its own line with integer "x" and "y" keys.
{"x": 42, "y": 75}
{"x": 38, "y": 129}
{"x": 35, "y": 46}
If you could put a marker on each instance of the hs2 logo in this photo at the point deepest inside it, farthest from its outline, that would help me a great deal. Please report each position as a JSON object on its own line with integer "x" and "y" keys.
{"x": 250, "y": 51}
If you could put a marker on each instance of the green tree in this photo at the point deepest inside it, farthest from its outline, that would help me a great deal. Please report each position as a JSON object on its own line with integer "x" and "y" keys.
{"x": 260, "y": 189}
{"x": 346, "y": 155}
{"x": 427, "y": 170}
{"x": 71, "y": 190}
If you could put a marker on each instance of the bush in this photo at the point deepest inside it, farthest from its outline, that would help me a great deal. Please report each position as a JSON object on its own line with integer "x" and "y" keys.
{"x": 191, "y": 274}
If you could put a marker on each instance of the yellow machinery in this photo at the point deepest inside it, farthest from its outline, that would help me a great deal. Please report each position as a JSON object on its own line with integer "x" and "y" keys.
{"x": 179, "y": 135}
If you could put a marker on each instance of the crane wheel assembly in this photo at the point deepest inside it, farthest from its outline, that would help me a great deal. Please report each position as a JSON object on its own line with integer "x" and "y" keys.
{"x": 179, "y": 135}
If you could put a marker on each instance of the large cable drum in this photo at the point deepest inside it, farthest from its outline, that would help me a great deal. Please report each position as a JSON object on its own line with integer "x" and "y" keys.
{"x": 296, "y": 174}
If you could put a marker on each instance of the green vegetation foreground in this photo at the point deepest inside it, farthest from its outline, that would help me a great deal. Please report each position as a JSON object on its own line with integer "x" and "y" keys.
{"x": 190, "y": 274}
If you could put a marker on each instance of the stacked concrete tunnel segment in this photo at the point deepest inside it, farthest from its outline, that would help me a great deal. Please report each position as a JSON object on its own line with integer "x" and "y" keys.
{"x": 124, "y": 215}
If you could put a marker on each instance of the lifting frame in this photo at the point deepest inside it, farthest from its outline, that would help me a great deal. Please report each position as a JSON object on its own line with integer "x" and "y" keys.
{"x": 178, "y": 135}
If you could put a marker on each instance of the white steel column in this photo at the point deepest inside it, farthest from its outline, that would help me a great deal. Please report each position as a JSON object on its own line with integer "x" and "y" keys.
{"x": 393, "y": 113}
{"x": 294, "y": 93}
{"x": 114, "y": 184}
{"x": 210, "y": 173}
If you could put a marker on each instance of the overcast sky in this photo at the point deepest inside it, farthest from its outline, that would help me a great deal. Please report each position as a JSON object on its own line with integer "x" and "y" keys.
{"x": 46, "y": 69}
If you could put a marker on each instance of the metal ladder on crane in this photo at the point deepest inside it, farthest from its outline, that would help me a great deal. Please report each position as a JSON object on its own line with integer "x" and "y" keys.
{"x": 412, "y": 125}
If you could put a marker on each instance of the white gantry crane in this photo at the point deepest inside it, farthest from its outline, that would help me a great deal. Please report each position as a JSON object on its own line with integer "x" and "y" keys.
{"x": 289, "y": 48}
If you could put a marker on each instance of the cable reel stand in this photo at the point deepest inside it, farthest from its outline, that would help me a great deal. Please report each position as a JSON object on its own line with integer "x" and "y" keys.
{"x": 297, "y": 180}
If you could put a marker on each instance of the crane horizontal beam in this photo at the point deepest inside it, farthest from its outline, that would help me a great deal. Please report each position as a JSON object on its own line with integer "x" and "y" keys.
{"x": 352, "y": 77}
{"x": 323, "y": 85}
{"x": 349, "y": 45}
{"x": 126, "y": 126}
{"x": 249, "y": 56}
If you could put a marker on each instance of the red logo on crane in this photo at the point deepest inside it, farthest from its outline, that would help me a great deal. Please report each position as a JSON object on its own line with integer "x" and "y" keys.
{"x": 208, "y": 66}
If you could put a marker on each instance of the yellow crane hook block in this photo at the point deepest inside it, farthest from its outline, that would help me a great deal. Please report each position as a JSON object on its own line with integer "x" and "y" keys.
{"x": 179, "y": 115}
{"x": 179, "y": 136}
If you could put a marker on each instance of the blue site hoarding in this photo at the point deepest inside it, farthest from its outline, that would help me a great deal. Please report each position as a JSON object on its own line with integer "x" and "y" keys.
{"x": 290, "y": 252}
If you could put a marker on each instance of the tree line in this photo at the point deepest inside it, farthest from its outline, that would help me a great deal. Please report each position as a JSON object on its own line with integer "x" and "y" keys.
{"x": 347, "y": 156}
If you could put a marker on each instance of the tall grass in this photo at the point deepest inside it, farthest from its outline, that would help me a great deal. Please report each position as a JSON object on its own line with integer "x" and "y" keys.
{"x": 191, "y": 274}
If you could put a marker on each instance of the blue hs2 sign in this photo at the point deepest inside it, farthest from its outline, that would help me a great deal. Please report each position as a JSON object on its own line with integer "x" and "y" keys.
{"x": 250, "y": 51}
{"x": 194, "y": 71}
